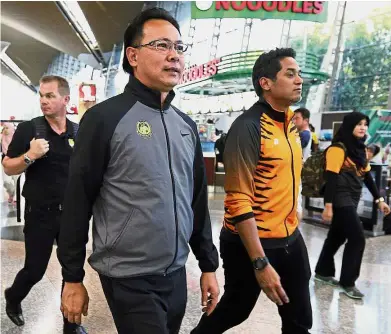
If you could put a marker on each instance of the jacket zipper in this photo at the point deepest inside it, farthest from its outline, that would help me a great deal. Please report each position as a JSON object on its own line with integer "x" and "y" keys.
{"x": 173, "y": 190}
{"x": 293, "y": 190}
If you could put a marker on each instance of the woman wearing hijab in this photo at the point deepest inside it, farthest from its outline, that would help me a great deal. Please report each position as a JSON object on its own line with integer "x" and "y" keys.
{"x": 345, "y": 175}
{"x": 9, "y": 181}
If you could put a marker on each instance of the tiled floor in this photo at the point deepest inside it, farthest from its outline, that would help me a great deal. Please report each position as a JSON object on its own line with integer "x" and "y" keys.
{"x": 332, "y": 311}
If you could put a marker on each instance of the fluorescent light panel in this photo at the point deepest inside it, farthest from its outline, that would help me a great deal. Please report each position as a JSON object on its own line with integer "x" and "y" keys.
{"x": 10, "y": 63}
{"x": 77, "y": 16}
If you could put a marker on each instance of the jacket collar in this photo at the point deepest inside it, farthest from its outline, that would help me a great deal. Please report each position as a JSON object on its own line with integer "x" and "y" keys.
{"x": 148, "y": 96}
{"x": 275, "y": 115}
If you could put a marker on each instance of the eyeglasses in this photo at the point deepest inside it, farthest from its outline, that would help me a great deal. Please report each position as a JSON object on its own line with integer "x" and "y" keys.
{"x": 164, "y": 45}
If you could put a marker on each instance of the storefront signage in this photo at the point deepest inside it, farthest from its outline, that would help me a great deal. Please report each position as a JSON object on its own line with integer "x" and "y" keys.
{"x": 284, "y": 10}
{"x": 197, "y": 72}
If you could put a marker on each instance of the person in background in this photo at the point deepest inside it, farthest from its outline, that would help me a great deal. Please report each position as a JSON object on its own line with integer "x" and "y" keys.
{"x": 373, "y": 151}
{"x": 386, "y": 154}
{"x": 46, "y": 163}
{"x": 345, "y": 175}
{"x": 138, "y": 169}
{"x": 260, "y": 243}
{"x": 302, "y": 121}
{"x": 219, "y": 151}
{"x": 9, "y": 182}
{"x": 315, "y": 139}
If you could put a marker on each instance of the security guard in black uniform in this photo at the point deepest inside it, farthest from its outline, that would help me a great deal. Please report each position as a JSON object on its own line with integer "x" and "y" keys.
{"x": 41, "y": 148}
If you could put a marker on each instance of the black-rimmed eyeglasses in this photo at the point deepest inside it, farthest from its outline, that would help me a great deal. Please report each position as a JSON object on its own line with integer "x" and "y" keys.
{"x": 165, "y": 46}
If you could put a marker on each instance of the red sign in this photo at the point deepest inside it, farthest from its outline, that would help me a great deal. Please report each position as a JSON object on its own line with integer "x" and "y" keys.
{"x": 87, "y": 92}
{"x": 305, "y": 7}
{"x": 197, "y": 72}
{"x": 72, "y": 110}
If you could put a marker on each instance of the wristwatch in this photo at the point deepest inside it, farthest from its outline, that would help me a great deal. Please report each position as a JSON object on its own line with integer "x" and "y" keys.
{"x": 27, "y": 160}
{"x": 380, "y": 199}
{"x": 260, "y": 263}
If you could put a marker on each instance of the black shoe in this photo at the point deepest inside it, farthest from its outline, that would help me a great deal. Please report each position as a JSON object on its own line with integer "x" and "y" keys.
{"x": 14, "y": 311}
{"x": 353, "y": 292}
{"x": 326, "y": 279}
{"x": 74, "y": 329}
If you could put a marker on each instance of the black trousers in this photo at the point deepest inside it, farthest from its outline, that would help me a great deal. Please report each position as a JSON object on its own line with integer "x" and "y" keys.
{"x": 241, "y": 290}
{"x": 147, "y": 304}
{"x": 345, "y": 225}
{"x": 42, "y": 227}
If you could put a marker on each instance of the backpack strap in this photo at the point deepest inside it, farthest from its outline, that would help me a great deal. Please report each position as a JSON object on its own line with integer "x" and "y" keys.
{"x": 75, "y": 129}
{"x": 40, "y": 127}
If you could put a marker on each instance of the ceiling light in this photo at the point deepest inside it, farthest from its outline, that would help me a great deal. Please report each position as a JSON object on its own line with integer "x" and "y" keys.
{"x": 15, "y": 68}
{"x": 75, "y": 13}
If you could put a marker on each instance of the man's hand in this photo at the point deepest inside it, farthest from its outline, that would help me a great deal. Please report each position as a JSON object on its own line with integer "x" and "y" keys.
{"x": 209, "y": 292}
{"x": 383, "y": 207}
{"x": 38, "y": 148}
{"x": 74, "y": 302}
{"x": 269, "y": 281}
{"x": 327, "y": 214}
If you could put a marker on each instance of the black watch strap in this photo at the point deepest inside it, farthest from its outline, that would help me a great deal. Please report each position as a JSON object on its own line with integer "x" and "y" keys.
{"x": 260, "y": 263}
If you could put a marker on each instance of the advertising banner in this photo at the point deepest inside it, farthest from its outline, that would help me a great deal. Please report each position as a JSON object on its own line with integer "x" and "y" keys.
{"x": 315, "y": 11}
{"x": 379, "y": 131}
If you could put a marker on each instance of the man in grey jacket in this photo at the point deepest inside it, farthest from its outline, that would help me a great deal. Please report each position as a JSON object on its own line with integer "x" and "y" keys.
{"x": 138, "y": 169}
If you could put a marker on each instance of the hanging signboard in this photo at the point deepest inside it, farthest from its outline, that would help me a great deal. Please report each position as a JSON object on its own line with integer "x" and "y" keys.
{"x": 315, "y": 11}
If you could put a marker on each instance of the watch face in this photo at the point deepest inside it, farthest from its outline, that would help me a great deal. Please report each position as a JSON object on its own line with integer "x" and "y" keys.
{"x": 27, "y": 161}
{"x": 259, "y": 264}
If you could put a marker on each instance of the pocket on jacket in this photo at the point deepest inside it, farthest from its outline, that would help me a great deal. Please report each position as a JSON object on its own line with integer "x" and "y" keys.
{"x": 123, "y": 230}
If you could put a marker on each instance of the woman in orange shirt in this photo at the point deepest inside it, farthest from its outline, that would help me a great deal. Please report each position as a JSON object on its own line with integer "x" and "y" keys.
{"x": 346, "y": 171}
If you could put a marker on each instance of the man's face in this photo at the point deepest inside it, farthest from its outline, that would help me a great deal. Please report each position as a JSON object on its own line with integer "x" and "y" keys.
{"x": 160, "y": 70}
{"x": 52, "y": 103}
{"x": 299, "y": 121}
{"x": 288, "y": 84}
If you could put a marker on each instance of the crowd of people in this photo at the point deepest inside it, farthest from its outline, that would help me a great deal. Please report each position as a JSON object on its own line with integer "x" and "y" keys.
{"x": 135, "y": 165}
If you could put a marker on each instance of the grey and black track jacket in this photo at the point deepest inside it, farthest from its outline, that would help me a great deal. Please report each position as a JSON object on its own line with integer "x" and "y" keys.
{"x": 138, "y": 169}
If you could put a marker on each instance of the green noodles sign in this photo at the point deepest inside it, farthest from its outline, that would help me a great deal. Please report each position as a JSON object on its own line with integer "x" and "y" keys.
{"x": 283, "y": 10}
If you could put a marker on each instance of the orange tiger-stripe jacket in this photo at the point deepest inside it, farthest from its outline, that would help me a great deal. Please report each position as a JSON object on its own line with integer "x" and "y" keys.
{"x": 263, "y": 161}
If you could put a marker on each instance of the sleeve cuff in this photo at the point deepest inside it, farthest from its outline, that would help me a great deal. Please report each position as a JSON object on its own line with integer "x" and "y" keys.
{"x": 69, "y": 278}
{"x": 208, "y": 267}
{"x": 240, "y": 218}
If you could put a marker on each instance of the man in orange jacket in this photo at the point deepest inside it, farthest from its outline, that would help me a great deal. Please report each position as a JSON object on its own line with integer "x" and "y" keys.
{"x": 260, "y": 243}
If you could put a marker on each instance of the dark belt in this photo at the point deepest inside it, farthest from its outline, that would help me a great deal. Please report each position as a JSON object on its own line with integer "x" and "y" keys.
{"x": 45, "y": 207}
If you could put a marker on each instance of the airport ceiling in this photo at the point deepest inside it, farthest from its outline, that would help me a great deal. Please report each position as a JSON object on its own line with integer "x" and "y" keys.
{"x": 37, "y": 30}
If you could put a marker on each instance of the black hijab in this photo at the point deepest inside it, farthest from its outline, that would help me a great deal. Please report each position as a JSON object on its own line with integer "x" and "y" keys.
{"x": 355, "y": 146}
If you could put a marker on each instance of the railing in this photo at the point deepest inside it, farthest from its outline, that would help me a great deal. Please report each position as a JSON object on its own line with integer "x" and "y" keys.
{"x": 242, "y": 63}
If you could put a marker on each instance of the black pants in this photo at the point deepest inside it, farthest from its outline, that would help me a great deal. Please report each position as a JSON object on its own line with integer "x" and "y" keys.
{"x": 241, "y": 290}
{"x": 345, "y": 225}
{"x": 42, "y": 227}
{"x": 147, "y": 304}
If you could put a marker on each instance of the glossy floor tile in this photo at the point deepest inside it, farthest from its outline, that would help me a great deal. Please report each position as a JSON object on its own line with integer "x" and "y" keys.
{"x": 332, "y": 311}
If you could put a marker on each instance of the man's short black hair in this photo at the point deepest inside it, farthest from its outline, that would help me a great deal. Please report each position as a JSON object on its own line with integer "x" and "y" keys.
{"x": 305, "y": 113}
{"x": 268, "y": 65}
{"x": 134, "y": 32}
